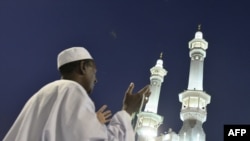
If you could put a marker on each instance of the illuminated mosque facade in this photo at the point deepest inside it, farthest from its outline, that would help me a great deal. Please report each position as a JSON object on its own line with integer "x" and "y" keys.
{"x": 194, "y": 100}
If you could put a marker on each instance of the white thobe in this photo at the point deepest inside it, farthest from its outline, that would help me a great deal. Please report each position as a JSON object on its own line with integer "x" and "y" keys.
{"x": 63, "y": 111}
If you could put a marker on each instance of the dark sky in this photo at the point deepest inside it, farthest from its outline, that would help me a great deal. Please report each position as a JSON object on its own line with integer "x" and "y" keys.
{"x": 126, "y": 37}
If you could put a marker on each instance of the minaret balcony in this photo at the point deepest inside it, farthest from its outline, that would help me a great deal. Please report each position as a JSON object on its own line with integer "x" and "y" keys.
{"x": 197, "y": 52}
{"x": 193, "y": 113}
{"x": 148, "y": 123}
{"x": 158, "y": 71}
{"x": 194, "y": 93}
{"x": 198, "y": 43}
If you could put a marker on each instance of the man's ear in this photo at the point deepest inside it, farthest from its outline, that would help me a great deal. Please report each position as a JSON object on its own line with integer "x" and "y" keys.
{"x": 82, "y": 67}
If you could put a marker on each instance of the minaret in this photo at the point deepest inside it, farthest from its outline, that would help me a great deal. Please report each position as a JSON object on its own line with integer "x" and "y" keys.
{"x": 156, "y": 79}
{"x": 148, "y": 121}
{"x": 194, "y": 100}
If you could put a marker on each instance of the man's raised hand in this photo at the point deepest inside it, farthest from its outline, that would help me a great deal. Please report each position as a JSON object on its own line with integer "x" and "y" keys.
{"x": 132, "y": 102}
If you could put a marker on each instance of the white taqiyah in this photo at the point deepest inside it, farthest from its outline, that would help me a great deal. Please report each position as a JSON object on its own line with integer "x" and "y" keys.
{"x": 72, "y": 54}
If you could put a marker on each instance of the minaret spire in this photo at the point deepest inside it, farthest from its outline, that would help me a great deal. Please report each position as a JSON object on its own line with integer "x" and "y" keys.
{"x": 197, "y": 54}
{"x": 148, "y": 121}
{"x": 194, "y": 100}
{"x": 156, "y": 78}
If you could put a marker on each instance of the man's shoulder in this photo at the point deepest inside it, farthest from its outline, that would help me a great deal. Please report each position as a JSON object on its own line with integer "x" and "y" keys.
{"x": 62, "y": 82}
{"x": 63, "y": 85}
{"x": 66, "y": 82}
{"x": 69, "y": 84}
{"x": 61, "y": 89}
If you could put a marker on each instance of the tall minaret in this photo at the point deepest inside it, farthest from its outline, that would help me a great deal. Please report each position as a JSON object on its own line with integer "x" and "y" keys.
{"x": 194, "y": 100}
{"x": 148, "y": 121}
{"x": 156, "y": 79}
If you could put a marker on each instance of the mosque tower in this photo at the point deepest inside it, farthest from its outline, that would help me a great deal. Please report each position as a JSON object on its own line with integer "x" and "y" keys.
{"x": 148, "y": 121}
{"x": 194, "y": 100}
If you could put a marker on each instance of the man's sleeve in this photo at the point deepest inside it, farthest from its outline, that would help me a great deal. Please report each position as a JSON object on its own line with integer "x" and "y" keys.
{"x": 120, "y": 126}
{"x": 80, "y": 122}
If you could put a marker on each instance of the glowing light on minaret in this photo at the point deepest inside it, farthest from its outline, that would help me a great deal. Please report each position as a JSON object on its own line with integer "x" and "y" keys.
{"x": 194, "y": 100}
{"x": 148, "y": 121}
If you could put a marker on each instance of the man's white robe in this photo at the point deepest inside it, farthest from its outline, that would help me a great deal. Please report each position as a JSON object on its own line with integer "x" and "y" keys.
{"x": 63, "y": 111}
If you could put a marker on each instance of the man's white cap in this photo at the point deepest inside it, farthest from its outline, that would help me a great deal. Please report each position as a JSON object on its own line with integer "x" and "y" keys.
{"x": 72, "y": 54}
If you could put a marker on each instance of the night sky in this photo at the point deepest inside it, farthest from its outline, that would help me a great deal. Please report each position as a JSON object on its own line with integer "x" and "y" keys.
{"x": 126, "y": 37}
